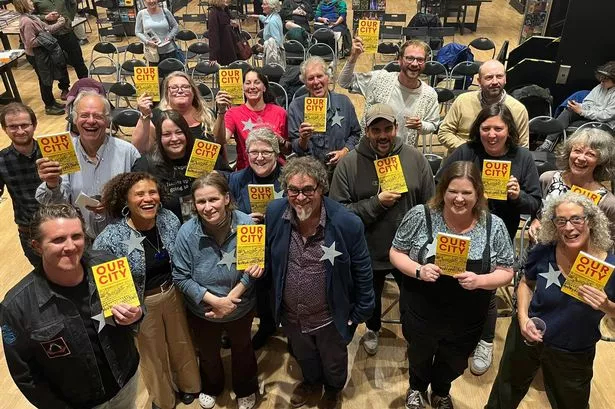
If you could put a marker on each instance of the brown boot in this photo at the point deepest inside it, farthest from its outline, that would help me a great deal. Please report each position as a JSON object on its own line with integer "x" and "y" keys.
{"x": 303, "y": 392}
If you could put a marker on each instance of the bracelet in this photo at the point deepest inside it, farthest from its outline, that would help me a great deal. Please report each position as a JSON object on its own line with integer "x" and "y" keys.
{"x": 418, "y": 272}
{"x": 148, "y": 116}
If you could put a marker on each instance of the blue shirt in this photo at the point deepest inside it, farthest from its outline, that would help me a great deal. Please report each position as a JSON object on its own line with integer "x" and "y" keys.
{"x": 571, "y": 324}
{"x": 273, "y": 28}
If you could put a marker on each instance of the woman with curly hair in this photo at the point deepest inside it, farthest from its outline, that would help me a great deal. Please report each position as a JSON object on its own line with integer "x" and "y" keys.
{"x": 144, "y": 233}
{"x": 571, "y": 223}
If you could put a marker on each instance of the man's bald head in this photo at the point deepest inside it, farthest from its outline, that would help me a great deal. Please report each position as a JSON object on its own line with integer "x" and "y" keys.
{"x": 492, "y": 79}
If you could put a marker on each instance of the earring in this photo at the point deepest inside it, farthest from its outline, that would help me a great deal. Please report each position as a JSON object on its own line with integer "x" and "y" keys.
{"x": 125, "y": 211}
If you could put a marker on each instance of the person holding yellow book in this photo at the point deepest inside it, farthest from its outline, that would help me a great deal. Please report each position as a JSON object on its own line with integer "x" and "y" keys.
{"x": 565, "y": 349}
{"x": 494, "y": 136}
{"x": 443, "y": 316}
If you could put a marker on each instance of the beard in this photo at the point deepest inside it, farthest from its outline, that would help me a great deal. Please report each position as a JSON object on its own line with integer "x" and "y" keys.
{"x": 304, "y": 213}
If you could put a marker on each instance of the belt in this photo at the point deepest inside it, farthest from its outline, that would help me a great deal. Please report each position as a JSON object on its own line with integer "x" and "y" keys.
{"x": 159, "y": 289}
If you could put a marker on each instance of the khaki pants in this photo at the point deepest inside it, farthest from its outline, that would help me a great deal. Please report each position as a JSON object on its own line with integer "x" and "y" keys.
{"x": 167, "y": 353}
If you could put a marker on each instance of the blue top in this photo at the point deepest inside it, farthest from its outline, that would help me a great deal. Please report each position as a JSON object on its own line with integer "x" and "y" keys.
{"x": 239, "y": 181}
{"x": 198, "y": 268}
{"x": 571, "y": 324}
{"x": 273, "y": 28}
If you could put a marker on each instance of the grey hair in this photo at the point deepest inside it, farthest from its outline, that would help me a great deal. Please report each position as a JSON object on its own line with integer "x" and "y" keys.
{"x": 308, "y": 166}
{"x": 275, "y": 5}
{"x": 599, "y": 231}
{"x": 89, "y": 93}
{"x": 313, "y": 60}
{"x": 265, "y": 135}
{"x": 599, "y": 141}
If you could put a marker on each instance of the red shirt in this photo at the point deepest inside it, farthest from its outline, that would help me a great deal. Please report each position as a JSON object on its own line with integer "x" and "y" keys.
{"x": 241, "y": 120}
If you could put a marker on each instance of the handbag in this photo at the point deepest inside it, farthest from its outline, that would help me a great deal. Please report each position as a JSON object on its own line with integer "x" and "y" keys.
{"x": 242, "y": 48}
{"x": 151, "y": 53}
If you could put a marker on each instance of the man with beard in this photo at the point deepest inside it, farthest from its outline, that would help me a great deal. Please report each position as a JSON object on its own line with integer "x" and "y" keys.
{"x": 322, "y": 278}
{"x": 355, "y": 185}
{"x": 101, "y": 156}
{"x": 455, "y": 129}
{"x": 415, "y": 102}
{"x": 343, "y": 130}
{"x": 18, "y": 170}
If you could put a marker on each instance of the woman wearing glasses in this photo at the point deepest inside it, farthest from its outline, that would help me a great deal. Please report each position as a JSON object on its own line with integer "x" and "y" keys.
{"x": 258, "y": 111}
{"x": 566, "y": 346}
{"x": 218, "y": 296}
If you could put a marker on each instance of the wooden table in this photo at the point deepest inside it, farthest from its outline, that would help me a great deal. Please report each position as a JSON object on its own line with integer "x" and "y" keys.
{"x": 12, "y": 29}
{"x": 463, "y": 8}
{"x": 12, "y": 93}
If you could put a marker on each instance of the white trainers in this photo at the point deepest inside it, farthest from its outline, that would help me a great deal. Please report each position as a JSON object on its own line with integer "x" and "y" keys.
{"x": 370, "y": 342}
{"x": 483, "y": 356}
{"x": 247, "y": 402}
{"x": 207, "y": 401}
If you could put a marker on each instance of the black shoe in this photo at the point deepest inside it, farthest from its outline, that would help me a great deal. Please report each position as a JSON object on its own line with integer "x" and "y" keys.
{"x": 54, "y": 110}
{"x": 262, "y": 335}
{"x": 186, "y": 398}
{"x": 58, "y": 105}
{"x": 226, "y": 341}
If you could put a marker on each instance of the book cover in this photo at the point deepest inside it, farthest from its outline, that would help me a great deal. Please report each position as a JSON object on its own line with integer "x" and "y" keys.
{"x": 203, "y": 158}
{"x": 146, "y": 81}
{"x": 250, "y": 246}
{"x": 593, "y": 196}
{"x": 391, "y": 175}
{"x": 59, "y": 147}
{"x": 115, "y": 285}
{"x": 369, "y": 31}
{"x": 231, "y": 82}
{"x": 587, "y": 270}
{"x": 315, "y": 113}
{"x": 452, "y": 253}
{"x": 496, "y": 174}
{"x": 260, "y": 196}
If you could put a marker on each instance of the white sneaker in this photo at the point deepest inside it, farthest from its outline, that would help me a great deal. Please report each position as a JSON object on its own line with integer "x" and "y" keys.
{"x": 247, "y": 402}
{"x": 483, "y": 356}
{"x": 207, "y": 401}
{"x": 370, "y": 342}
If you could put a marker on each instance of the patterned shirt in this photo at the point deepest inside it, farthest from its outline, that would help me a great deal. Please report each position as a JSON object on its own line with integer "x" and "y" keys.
{"x": 19, "y": 174}
{"x": 305, "y": 290}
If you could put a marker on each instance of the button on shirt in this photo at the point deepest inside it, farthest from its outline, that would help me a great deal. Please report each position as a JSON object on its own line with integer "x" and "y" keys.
{"x": 115, "y": 156}
{"x": 305, "y": 290}
{"x": 19, "y": 174}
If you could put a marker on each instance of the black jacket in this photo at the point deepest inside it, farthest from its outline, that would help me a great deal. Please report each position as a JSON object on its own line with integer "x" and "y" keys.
{"x": 49, "y": 58}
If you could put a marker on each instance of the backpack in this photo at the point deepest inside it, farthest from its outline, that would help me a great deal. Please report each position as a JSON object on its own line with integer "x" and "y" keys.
{"x": 452, "y": 54}
{"x": 424, "y": 20}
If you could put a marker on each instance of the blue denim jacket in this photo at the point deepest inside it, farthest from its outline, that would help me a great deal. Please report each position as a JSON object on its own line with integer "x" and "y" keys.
{"x": 197, "y": 268}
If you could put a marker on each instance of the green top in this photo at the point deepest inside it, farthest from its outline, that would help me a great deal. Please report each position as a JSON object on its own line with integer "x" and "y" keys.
{"x": 66, "y": 8}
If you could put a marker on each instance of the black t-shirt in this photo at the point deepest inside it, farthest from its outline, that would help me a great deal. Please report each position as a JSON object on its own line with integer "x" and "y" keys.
{"x": 157, "y": 260}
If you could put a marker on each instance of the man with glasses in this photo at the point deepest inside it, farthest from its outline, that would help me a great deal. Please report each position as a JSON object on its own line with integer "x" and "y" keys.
{"x": 18, "y": 170}
{"x": 322, "y": 278}
{"x": 415, "y": 102}
{"x": 455, "y": 129}
{"x": 101, "y": 157}
{"x": 343, "y": 130}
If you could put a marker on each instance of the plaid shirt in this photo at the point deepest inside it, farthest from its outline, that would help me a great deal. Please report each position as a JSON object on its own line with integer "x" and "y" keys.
{"x": 19, "y": 174}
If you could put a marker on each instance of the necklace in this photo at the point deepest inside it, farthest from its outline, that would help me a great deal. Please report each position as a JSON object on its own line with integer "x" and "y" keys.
{"x": 161, "y": 253}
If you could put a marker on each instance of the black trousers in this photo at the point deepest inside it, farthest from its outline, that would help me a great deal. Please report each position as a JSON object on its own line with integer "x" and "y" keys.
{"x": 70, "y": 44}
{"x": 321, "y": 354}
{"x": 46, "y": 90}
{"x": 567, "y": 375}
{"x": 374, "y": 323}
{"x": 492, "y": 317}
{"x": 437, "y": 354}
{"x": 567, "y": 118}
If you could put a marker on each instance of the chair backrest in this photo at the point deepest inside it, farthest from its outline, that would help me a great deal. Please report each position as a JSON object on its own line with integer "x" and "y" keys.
{"x": 388, "y": 49}
{"x": 128, "y": 66}
{"x": 122, "y": 91}
{"x": 325, "y": 36}
{"x": 394, "y": 18}
{"x": 105, "y": 48}
{"x": 104, "y": 65}
{"x": 273, "y": 72}
{"x": 503, "y": 53}
{"x": 300, "y": 92}
{"x": 169, "y": 65}
{"x": 322, "y": 50}
{"x": 434, "y": 70}
{"x": 185, "y": 35}
{"x": 483, "y": 44}
{"x": 295, "y": 52}
{"x": 390, "y": 32}
{"x": 204, "y": 68}
{"x": 127, "y": 118}
{"x": 392, "y": 66}
{"x": 281, "y": 97}
{"x": 415, "y": 33}
{"x": 194, "y": 18}
{"x": 545, "y": 125}
{"x": 205, "y": 92}
{"x": 597, "y": 125}
{"x": 242, "y": 65}
{"x": 199, "y": 48}
{"x": 134, "y": 49}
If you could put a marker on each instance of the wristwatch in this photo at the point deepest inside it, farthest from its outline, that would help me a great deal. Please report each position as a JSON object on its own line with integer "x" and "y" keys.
{"x": 418, "y": 272}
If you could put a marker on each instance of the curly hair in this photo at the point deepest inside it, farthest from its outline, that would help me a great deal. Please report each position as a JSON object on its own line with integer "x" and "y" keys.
{"x": 460, "y": 169}
{"x": 597, "y": 140}
{"x": 599, "y": 232}
{"x": 308, "y": 166}
{"x": 115, "y": 192}
{"x": 501, "y": 111}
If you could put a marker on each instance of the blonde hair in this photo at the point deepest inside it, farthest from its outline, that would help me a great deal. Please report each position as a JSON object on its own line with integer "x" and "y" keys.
{"x": 203, "y": 114}
{"x": 21, "y": 6}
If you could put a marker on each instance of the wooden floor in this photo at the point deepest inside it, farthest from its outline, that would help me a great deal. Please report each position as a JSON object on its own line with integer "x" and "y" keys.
{"x": 375, "y": 382}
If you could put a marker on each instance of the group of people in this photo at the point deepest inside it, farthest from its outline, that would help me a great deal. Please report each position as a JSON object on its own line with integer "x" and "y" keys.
{"x": 333, "y": 234}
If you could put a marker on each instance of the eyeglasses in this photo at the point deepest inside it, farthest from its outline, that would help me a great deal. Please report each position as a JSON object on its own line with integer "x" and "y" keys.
{"x": 265, "y": 154}
{"x": 97, "y": 117}
{"x": 577, "y": 221}
{"x": 307, "y": 191}
{"x": 410, "y": 59}
{"x": 175, "y": 88}
{"x": 18, "y": 126}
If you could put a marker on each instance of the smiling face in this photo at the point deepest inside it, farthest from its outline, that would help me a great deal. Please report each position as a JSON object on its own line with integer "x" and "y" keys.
{"x": 211, "y": 204}
{"x": 572, "y": 235}
{"x": 143, "y": 201}
{"x": 180, "y": 93}
{"x": 172, "y": 139}
{"x": 412, "y": 63}
{"x": 266, "y": 8}
{"x": 91, "y": 120}
{"x": 304, "y": 205}
{"x": 253, "y": 87}
{"x": 19, "y": 128}
{"x": 150, "y": 4}
{"x": 582, "y": 161}
{"x": 316, "y": 81}
{"x": 262, "y": 158}
{"x": 381, "y": 134}
{"x": 460, "y": 197}
{"x": 493, "y": 136}
{"x": 61, "y": 244}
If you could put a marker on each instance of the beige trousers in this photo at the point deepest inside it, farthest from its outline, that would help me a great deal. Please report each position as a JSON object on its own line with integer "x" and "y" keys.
{"x": 168, "y": 358}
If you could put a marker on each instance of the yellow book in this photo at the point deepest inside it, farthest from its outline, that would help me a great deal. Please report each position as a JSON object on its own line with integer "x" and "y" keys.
{"x": 250, "y": 245}
{"x": 115, "y": 285}
{"x": 593, "y": 196}
{"x": 391, "y": 175}
{"x": 260, "y": 196}
{"x": 315, "y": 113}
{"x": 146, "y": 81}
{"x": 452, "y": 253}
{"x": 59, "y": 147}
{"x": 128, "y": 3}
{"x": 587, "y": 270}
{"x": 231, "y": 81}
{"x": 496, "y": 174}
{"x": 369, "y": 31}
{"x": 203, "y": 158}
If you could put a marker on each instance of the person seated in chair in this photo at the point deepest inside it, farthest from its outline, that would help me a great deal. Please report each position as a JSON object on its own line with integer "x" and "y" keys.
{"x": 332, "y": 13}
{"x": 297, "y": 14}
